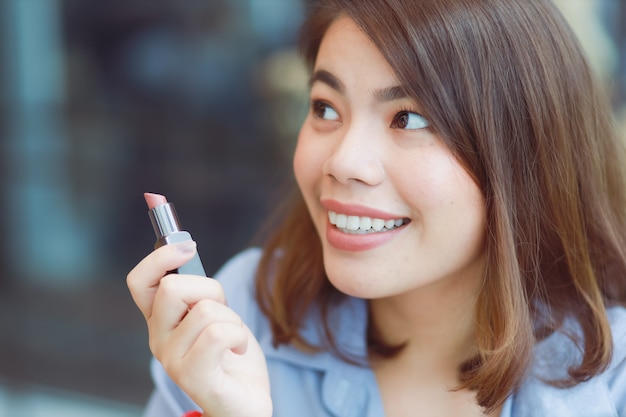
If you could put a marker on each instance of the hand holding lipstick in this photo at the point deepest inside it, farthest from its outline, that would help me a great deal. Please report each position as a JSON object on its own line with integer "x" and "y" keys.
{"x": 202, "y": 344}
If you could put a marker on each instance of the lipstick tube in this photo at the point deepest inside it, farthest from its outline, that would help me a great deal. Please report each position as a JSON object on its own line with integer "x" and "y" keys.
{"x": 168, "y": 231}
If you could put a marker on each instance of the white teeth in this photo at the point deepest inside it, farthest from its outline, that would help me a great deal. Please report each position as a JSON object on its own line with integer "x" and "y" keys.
{"x": 357, "y": 224}
{"x": 353, "y": 223}
{"x": 377, "y": 224}
{"x": 341, "y": 221}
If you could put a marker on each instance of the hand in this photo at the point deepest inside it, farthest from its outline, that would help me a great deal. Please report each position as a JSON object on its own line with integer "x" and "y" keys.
{"x": 202, "y": 344}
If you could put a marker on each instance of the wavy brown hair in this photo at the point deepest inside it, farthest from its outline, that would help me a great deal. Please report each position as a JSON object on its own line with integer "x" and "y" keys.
{"x": 506, "y": 85}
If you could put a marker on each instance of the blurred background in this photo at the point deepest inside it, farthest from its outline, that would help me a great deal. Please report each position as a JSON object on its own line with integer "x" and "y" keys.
{"x": 102, "y": 100}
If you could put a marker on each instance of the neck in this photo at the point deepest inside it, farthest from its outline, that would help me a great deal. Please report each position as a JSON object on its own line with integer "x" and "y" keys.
{"x": 435, "y": 323}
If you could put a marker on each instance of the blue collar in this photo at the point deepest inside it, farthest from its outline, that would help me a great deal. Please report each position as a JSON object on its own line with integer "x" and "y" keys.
{"x": 351, "y": 390}
{"x": 348, "y": 390}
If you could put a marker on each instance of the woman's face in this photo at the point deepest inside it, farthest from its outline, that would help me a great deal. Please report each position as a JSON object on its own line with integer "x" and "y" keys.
{"x": 394, "y": 209}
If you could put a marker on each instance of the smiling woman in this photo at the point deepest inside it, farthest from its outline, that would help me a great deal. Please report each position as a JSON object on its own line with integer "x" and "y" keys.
{"x": 374, "y": 159}
{"x": 456, "y": 246}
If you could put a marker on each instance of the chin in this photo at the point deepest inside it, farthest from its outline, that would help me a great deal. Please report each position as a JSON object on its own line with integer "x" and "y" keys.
{"x": 360, "y": 282}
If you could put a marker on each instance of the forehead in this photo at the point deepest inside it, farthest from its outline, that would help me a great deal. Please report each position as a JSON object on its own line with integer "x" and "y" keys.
{"x": 351, "y": 56}
{"x": 344, "y": 34}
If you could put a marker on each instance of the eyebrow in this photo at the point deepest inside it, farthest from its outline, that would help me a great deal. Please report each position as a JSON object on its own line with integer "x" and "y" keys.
{"x": 390, "y": 94}
{"x": 384, "y": 95}
{"x": 329, "y": 79}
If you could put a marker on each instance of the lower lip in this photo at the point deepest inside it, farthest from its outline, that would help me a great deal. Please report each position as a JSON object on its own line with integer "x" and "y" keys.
{"x": 358, "y": 242}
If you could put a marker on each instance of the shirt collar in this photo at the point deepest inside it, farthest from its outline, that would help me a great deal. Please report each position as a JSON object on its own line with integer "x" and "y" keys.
{"x": 588, "y": 399}
{"x": 552, "y": 358}
{"x": 347, "y": 390}
{"x": 348, "y": 322}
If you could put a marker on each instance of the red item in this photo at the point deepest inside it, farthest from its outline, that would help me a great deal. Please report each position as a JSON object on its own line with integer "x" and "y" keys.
{"x": 192, "y": 414}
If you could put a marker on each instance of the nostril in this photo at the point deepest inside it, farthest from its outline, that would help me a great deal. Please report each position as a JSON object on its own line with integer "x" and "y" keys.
{"x": 355, "y": 167}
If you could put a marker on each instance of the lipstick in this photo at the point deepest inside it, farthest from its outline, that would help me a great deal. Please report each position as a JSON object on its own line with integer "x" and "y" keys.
{"x": 168, "y": 231}
{"x": 355, "y": 242}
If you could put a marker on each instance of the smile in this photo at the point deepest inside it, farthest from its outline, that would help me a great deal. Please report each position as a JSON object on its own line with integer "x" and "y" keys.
{"x": 362, "y": 224}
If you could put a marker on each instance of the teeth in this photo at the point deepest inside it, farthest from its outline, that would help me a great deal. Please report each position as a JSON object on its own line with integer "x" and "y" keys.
{"x": 378, "y": 224}
{"x": 341, "y": 221}
{"x": 357, "y": 224}
{"x": 353, "y": 223}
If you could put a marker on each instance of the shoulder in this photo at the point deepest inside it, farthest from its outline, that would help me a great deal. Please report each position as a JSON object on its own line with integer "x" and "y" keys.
{"x": 603, "y": 395}
{"x": 237, "y": 277}
{"x": 617, "y": 319}
{"x": 240, "y": 269}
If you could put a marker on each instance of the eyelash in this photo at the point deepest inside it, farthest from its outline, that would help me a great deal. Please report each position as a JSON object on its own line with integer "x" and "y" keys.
{"x": 317, "y": 106}
{"x": 403, "y": 111}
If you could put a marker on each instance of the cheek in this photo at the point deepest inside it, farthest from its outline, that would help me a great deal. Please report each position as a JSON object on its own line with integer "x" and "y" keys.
{"x": 307, "y": 162}
{"x": 300, "y": 163}
{"x": 437, "y": 181}
{"x": 423, "y": 183}
{"x": 445, "y": 198}
{"x": 307, "y": 167}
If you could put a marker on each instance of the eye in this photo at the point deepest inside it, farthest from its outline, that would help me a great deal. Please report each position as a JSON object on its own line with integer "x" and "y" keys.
{"x": 409, "y": 120}
{"x": 323, "y": 110}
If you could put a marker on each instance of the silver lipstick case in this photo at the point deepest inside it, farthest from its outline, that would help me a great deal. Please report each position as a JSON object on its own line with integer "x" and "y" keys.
{"x": 168, "y": 231}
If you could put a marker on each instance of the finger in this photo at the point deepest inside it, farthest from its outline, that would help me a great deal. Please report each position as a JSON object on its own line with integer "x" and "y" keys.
{"x": 145, "y": 277}
{"x": 212, "y": 350}
{"x": 174, "y": 298}
{"x": 205, "y": 313}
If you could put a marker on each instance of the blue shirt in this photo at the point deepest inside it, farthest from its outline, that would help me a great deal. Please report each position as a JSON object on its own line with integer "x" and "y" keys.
{"x": 316, "y": 385}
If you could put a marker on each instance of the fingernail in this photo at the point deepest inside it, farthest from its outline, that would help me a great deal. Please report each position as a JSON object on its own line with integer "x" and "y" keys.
{"x": 186, "y": 247}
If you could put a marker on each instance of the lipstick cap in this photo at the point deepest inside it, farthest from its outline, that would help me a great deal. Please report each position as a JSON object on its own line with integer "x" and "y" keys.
{"x": 164, "y": 220}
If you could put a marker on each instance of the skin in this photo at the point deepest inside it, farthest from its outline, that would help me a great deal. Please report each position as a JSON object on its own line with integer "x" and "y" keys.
{"x": 202, "y": 344}
{"x": 365, "y": 144}
{"x": 351, "y": 151}
{"x": 364, "y": 147}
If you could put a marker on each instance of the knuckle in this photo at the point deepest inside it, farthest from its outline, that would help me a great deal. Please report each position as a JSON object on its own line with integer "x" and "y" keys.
{"x": 205, "y": 308}
{"x": 220, "y": 292}
{"x": 168, "y": 284}
{"x": 210, "y": 334}
{"x": 131, "y": 281}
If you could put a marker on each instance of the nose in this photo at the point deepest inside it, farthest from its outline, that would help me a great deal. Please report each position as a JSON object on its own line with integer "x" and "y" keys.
{"x": 356, "y": 157}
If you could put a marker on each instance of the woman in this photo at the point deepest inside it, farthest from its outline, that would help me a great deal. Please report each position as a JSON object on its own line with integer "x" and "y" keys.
{"x": 456, "y": 247}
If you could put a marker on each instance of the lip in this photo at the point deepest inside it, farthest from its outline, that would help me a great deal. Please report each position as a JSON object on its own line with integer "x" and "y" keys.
{"x": 358, "y": 210}
{"x": 358, "y": 242}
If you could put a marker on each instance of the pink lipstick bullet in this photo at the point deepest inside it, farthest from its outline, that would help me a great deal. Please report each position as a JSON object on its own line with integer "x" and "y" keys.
{"x": 168, "y": 231}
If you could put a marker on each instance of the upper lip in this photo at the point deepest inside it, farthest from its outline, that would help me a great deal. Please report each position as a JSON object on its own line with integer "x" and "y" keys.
{"x": 358, "y": 210}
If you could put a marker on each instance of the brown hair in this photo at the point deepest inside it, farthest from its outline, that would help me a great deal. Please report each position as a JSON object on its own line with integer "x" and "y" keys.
{"x": 505, "y": 84}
